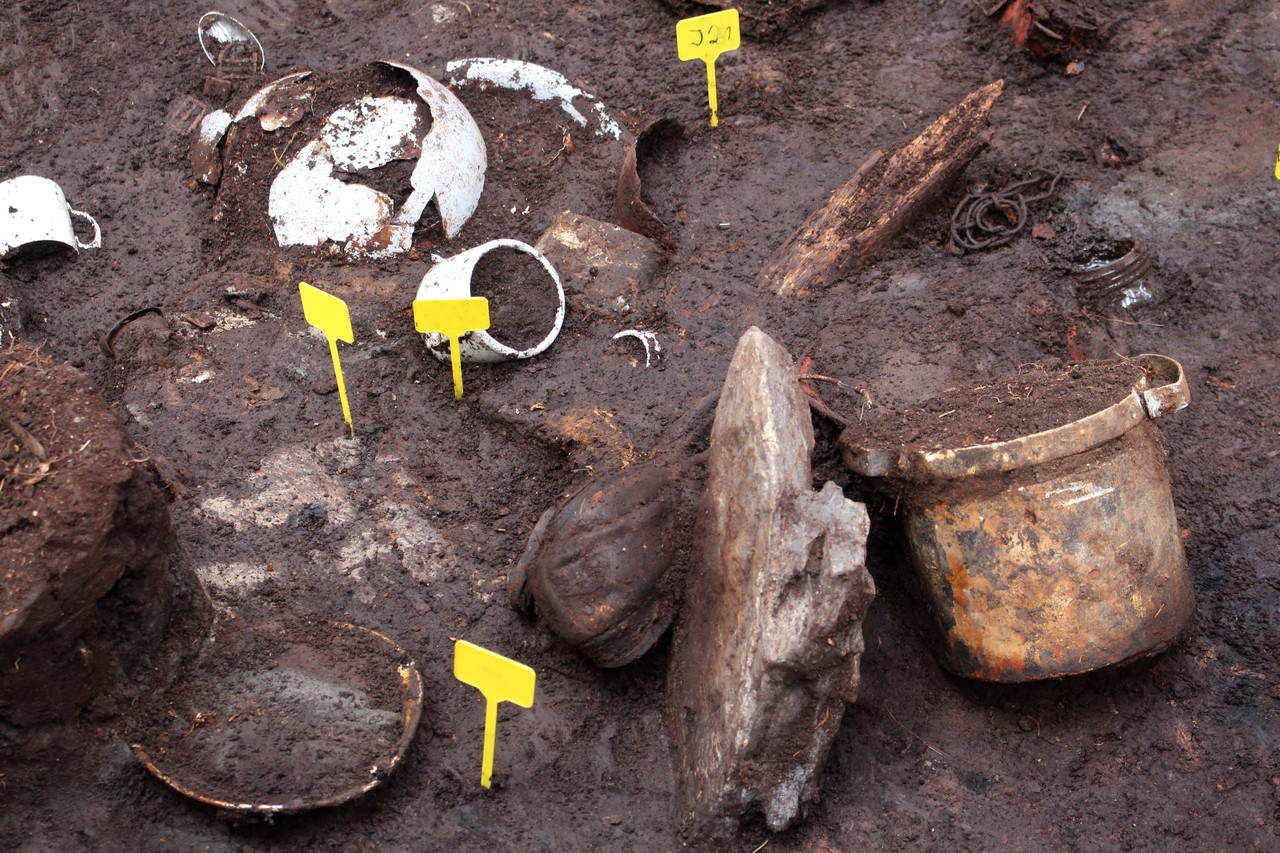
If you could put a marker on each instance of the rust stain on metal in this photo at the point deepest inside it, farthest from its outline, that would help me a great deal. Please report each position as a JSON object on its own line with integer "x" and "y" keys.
{"x": 1064, "y": 563}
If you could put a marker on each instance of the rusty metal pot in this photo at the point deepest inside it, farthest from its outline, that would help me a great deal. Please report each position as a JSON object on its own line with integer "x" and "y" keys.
{"x": 1054, "y": 553}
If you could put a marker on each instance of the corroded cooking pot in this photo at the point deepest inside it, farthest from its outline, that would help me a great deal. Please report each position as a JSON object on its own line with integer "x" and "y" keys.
{"x": 1050, "y": 554}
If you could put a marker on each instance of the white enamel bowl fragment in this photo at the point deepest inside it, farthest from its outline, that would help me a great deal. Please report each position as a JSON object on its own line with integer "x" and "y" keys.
{"x": 309, "y": 205}
{"x": 541, "y": 83}
{"x": 451, "y": 279}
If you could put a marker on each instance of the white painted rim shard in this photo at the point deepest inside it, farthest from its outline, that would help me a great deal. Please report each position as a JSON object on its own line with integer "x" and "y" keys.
{"x": 540, "y": 82}
{"x": 258, "y": 100}
{"x": 648, "y": 339}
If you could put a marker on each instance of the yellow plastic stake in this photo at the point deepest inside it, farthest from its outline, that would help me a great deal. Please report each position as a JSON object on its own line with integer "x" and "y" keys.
{"x": 500, "y": 680}
{"x": 706, "y": 37}
{"x": 452, "y": 318}
{"x": 329, "y": 314}
{"x": 1278, "y": 165}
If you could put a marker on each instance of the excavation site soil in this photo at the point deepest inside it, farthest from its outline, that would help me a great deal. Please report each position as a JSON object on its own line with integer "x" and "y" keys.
{"x": 1148, "y": 136}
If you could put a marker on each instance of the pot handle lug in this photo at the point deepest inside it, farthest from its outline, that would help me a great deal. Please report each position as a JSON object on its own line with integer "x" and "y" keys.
{"x": 1172, "y": 394}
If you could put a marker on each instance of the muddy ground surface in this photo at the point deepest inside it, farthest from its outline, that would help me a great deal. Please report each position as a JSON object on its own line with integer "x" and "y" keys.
{"x": 411, "y": 528}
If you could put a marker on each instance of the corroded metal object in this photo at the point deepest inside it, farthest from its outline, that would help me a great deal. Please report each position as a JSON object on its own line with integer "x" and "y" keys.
{"x": 630, "y": 208}
{"x": 1051, "y": 554}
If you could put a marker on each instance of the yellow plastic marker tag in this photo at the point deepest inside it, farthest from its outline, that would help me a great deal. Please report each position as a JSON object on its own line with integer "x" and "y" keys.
{"x": 452, "y": 318}
{"x": 1278, "y": 165}
{"x": 329, "y": 314}
{"x": 706, "y": 37}
{"x": 500, "y": 680}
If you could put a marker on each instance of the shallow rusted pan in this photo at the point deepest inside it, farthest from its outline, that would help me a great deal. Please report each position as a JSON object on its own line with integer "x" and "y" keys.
{"x": 1050, "y": 554}
{"x": 214, "y": 780}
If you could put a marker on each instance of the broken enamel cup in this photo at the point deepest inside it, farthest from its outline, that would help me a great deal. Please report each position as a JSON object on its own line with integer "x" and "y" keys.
{"x": 1049, "y": 554}
{"x": 451, "y": 279}
{"x": 34, "y": 213}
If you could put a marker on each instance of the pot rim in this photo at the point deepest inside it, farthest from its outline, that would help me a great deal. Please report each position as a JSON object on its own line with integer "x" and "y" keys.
{"x": 1142, "y": 402}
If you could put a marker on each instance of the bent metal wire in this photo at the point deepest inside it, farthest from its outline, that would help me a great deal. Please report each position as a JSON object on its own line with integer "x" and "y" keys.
{"x": 984, "y": 220}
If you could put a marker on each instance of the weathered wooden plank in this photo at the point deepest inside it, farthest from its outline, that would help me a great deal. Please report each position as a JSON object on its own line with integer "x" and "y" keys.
{"x": 878, "y": 202}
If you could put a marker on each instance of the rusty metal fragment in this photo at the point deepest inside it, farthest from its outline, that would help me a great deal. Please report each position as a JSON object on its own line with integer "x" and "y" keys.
{"x": 1044, "y": 27}
{"x": 632, "y": 211}
{"x": 767, "y": 650}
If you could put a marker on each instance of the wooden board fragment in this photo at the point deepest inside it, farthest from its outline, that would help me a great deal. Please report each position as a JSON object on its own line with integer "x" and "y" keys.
{"x": 878, "y": 202}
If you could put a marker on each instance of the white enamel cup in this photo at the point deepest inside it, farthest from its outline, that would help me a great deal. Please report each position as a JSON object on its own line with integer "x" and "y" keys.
{"x": 34, "y": 210}
{"x": 451, "y": 279}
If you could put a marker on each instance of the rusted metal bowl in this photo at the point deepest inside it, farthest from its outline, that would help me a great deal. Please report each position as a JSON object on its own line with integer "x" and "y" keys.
{"x": 1051, "y": 554}
{"x": 271, "y": 722}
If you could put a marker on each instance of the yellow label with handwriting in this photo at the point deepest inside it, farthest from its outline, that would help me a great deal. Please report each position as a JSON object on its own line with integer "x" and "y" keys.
{"x": 705, "y": 37}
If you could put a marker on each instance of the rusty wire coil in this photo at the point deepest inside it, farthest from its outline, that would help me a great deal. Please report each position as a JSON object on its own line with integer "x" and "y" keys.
{"x": 984, "y": 220}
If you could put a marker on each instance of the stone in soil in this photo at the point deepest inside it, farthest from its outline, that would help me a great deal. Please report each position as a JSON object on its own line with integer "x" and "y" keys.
{"x": 604, "y": 268}
{"x": 769, "y": 641}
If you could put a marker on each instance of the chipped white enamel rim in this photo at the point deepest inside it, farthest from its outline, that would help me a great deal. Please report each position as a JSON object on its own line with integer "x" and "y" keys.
{"x": 647, "y": 339}
{"x": 213, "y": 127}
{"x": 258, "y": 100}
{"x": 453, "y": 161}
{"x": 224, "y": 29}
{"x": 541, "y": 82}
{"x": 451, "y": 279}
